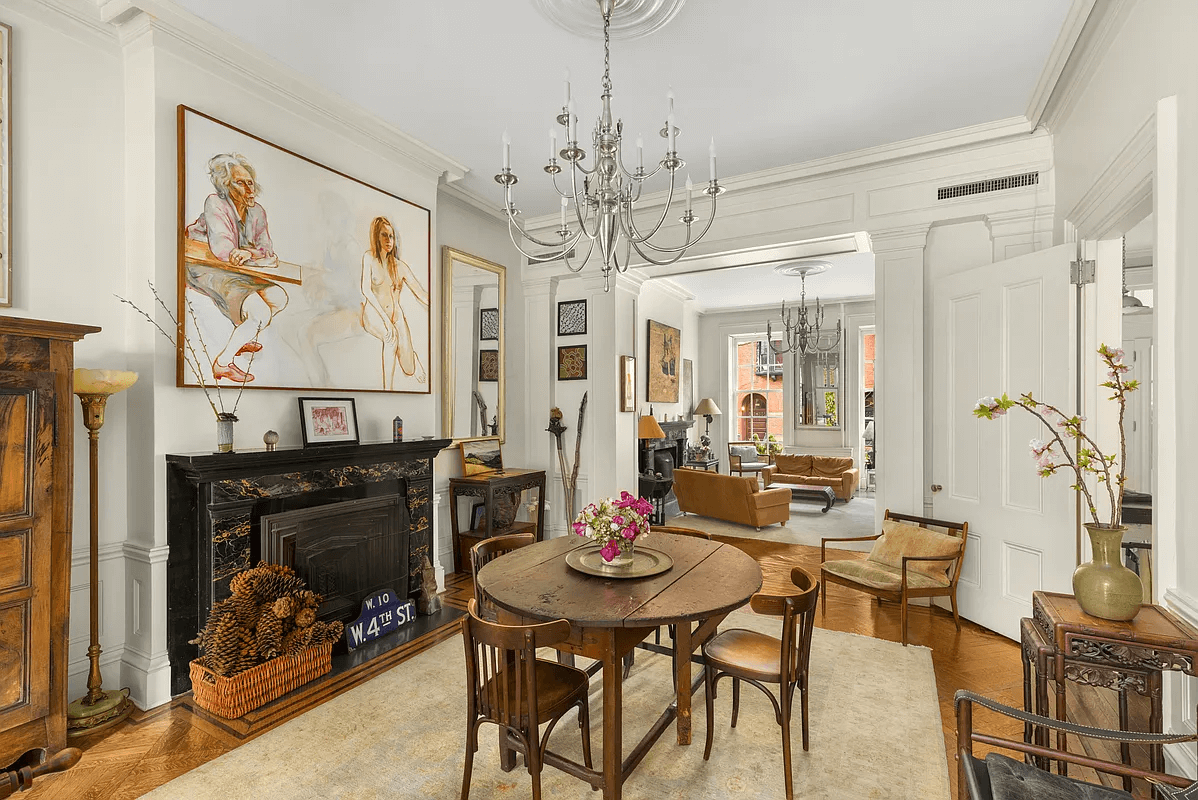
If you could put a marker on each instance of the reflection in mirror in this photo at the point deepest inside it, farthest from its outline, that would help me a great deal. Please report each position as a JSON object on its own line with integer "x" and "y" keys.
{"x": 472, "y": 371}
{"x": 818, "y": 385}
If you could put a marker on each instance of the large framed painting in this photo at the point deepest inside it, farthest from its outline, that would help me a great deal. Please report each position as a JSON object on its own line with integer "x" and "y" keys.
{"x": 664, "y": 363}
{"x": 293, "y": 275}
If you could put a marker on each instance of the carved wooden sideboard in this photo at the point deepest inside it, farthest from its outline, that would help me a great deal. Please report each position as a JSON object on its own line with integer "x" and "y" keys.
{"x": 36, "y": 420}
{"x": 494, "y": 489}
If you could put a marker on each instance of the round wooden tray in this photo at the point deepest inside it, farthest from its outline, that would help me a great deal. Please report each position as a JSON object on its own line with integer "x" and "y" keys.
{"x": 645, "y": 562}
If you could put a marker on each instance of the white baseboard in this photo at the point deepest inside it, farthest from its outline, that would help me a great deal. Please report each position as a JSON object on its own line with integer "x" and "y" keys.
{"x": 147, "y": 676}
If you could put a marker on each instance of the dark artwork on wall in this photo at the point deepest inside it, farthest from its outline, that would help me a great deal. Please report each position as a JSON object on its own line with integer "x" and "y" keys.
{"x": 488, "y": 324}
{"x": 488, "y": 365}
{"x": 572, "y": 363}
{"x": 571, "y": 317}
{"x": 688, "y": 388}
{"x": 664, "y": 364}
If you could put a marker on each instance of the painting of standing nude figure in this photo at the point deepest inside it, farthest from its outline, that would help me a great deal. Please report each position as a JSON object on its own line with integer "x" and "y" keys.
{"x": 293, "y": 275}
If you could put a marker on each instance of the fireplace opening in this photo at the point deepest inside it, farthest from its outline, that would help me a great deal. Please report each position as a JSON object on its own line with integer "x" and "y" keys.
{"x": 345, "y": 551}
{"x": 663, "y": 463}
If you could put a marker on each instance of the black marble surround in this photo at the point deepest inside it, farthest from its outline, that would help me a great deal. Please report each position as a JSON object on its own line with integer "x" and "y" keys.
{"x": 215, "y": 502}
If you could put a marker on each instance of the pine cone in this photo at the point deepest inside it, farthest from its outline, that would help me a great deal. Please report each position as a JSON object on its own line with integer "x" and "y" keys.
{"x": 269, "y": 633}
{"x": 305, "y": 617}
{"x": 284, "y": 608}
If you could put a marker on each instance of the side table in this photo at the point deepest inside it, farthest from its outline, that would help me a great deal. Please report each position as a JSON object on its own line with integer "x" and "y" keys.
{"x": 509, "y": 485}
{"x": 1072, "y": 645}
{"x": 704, "y": 463}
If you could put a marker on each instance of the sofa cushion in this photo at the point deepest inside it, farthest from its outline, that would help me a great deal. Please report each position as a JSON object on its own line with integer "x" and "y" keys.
{"x": 880, "y": 576}
{"x": 811, "y": 480}
{"x": 745, "y": 452}
{"x": 793, "y": 465}
{"x": 830, "y": 466}
{"x": 900, "y": 539}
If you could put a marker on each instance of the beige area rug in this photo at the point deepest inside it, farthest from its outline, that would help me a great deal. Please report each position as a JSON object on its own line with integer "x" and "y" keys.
{"x": 875, "y": 735}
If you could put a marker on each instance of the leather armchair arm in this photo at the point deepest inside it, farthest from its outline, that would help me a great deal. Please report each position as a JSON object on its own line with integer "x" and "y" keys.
{"x": 767, "y": 473}
{"x": 851, "y": 480}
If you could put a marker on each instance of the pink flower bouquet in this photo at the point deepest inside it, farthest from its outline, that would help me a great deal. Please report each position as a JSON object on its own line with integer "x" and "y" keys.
{"x": 615, "y": 523}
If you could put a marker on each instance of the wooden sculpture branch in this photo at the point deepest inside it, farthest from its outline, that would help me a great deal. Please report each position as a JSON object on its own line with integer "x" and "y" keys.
{"x": 569, "y": 475}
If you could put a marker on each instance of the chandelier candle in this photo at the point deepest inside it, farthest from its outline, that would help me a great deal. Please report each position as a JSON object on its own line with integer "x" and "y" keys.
{"x": 606, "y": 196}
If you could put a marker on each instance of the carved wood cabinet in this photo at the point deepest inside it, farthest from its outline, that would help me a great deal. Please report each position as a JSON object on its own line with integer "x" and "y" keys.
{"x": 36, "y": 421}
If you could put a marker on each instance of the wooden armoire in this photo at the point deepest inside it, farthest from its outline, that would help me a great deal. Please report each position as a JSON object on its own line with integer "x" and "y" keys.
{"x": 36, "y": 422}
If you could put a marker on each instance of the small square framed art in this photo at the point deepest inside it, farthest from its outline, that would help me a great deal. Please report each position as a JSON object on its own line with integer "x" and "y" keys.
{"x": 328, "y": 420}
{"x": 572, "y": 362}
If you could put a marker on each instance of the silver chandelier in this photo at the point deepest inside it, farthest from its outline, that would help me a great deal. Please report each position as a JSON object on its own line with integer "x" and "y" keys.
{"x": 802, "y": 334}
{"x": 605, "y": 196}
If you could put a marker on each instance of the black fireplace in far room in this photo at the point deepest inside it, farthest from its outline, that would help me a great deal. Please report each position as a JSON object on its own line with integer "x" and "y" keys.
{"x": 665, "y": 454}
{"x": 351, "y": 519}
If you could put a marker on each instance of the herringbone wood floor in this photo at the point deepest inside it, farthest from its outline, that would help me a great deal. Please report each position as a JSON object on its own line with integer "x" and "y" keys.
{"x": 156, "y": 746}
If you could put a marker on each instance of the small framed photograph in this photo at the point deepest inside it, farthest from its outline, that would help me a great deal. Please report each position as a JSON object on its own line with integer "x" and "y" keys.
{"x": 572, "y": 363}
{"x": 571, "y": 317}
{"x": 481, "y": 454}
{"x": 488, "y": 366}
{"x": 478, "y": 516}
{"x": 628, "y": 383}
{"x": 488, "y": 324}
{"x": 328, "y": 420}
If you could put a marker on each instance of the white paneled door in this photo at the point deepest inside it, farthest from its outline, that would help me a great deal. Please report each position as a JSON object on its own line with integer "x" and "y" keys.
{"x": 1003, "y": 327}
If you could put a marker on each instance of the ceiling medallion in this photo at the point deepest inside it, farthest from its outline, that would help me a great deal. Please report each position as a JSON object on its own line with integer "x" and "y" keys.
{"x": 636, "y": 18}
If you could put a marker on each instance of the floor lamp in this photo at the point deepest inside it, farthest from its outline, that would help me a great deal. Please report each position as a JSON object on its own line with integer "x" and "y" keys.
{"x": 97, "y": 709}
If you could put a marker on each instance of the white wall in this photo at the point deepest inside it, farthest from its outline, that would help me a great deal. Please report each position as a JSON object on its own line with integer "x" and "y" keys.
{"x": 1120, "y": 89}
{"x": 663, "y": 302}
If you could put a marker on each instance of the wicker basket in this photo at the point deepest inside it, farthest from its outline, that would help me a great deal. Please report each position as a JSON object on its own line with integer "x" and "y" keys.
{"x": 239, "y": 694}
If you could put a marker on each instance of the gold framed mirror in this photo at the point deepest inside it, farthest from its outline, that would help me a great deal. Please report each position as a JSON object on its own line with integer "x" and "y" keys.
{"x": 473, "y": 376}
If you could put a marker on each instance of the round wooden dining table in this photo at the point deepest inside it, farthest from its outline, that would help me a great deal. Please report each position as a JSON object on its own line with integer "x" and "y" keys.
{"x": 610, "y": 616}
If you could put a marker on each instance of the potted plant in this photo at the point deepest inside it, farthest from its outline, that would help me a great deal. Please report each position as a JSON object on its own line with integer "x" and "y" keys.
{"x": 1103, "y": 587}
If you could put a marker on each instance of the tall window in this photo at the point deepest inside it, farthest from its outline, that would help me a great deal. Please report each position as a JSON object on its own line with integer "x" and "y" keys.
{"x": 759, "y": 389}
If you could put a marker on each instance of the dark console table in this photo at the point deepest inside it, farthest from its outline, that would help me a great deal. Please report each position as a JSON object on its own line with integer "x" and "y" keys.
{"x": 493, "y": 487}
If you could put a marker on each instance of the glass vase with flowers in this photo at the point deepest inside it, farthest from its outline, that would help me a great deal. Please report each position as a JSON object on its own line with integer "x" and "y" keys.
{"x": 1103, "y": 587}
{"x": 616, "y": 525}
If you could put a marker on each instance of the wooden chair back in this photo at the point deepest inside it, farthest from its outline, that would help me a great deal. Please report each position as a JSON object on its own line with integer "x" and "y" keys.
{"x": 680, "y": 531}
{"x": 486, "y": 551}
{"x": 501, "y": 673}
{"x": 958, "y": 529}
{"x": 798, "y": 621}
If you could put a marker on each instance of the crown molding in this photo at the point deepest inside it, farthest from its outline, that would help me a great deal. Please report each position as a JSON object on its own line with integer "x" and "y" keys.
{"x": 207, "y": 40}
{"x": 75, "y": 18}
{"x": 1093, "y": 42}
{"x": 1058, "y": 57}
{"x": 772, "y": 306}
{"x": 908, "y": 237}
{"x": 1120, "y": 187}
{"x": 459, "y": 195}
{"x": 669, "y": 287}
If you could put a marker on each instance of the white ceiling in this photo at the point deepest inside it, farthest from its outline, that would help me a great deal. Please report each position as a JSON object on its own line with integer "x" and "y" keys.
{"x": 775, "y": 82}
{"x": 745, "y": 287}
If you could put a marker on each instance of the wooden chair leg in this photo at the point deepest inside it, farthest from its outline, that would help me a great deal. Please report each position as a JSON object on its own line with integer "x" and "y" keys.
{"x": 709, "y": 705}
{"x": 803, "y": 704}
{"x": 903, "y": 619}
{"x": 735, "y": 700}
{"x": 823, "y": 601}
{"x": 533, "y": 759}
{"x": 584, "y": 722}
{"x": 956, "y": 615}
{"x": 785, "y": 704}
{"x": 471, "y": 746}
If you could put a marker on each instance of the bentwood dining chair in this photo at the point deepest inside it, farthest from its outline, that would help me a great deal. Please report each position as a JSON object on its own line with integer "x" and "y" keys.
{"x": 508, "y": 685}
{"x": 486, "y": 551}
{"x": 758, "y": 659}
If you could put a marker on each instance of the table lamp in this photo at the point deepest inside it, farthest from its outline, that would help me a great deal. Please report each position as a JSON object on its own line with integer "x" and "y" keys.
{"x": 647, "y": 427}
{"x": 707, "y": 409}
{"x": 97, "y": 709}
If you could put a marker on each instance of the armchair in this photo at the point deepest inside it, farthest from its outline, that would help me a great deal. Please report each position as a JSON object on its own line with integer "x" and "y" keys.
{"x": 907, "y": 560}
{"x": 997, "y": 777}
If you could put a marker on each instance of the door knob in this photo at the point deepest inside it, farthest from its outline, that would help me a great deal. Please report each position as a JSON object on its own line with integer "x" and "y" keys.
{"x": 936, "y": 487}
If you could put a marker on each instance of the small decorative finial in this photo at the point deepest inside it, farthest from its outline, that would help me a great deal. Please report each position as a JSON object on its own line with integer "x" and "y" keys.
{"x": 271, "y": 438}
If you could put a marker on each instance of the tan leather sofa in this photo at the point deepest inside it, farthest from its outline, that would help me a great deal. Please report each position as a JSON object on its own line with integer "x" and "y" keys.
{"x": 732, "y": 498}
{"x": 834, "y": 471}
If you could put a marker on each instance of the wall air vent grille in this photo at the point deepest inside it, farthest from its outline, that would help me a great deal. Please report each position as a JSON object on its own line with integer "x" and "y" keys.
{"x": 990, "y": 185}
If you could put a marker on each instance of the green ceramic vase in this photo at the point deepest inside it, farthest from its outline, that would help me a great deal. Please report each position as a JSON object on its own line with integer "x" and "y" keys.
{"x": 1104, "y": 587}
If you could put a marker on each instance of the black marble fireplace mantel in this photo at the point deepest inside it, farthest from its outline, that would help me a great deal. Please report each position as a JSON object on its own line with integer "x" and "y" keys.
{"x": 216, "y": 501}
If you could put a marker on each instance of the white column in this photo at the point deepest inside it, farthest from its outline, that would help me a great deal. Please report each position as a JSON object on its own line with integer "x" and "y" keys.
{"x": 539, "y": 375}
{"x": 1019, "y": 232}
{"x": 899, "y": 392}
